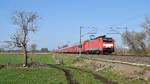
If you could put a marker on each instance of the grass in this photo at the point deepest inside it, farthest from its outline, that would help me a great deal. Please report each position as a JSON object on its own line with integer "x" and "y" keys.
{"x": 19, "y": 58}
{"x": 81, "y": 76}
{"x": 13, "y": 58}
{"x": 32, "y": 76}
{"x": 51, "y": 75}
{"x": 47, "y": 59}
{"x": 85, "y": 78}
{"x": 108, "y": 73}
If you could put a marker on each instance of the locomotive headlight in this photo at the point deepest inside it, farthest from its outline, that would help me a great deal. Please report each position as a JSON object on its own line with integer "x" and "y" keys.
{"x": 108, "y": 45}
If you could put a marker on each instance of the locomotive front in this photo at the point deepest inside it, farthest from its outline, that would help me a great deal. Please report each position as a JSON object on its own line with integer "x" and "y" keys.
{"x": 108, "y": 45}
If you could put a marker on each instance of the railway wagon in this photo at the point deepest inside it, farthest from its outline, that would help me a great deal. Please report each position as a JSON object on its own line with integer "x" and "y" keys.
{"x": 72, "y": 49}
{"x": 98, "y": 45}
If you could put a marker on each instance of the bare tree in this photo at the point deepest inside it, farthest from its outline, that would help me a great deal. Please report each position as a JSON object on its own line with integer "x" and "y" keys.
{"x": 134, "y": 40}
{"x": 26, "y": 23}
{"x": 44, "y": 50}
{"x": 33, "y": 47}
{"x": 2, "y": 49}
{"x": 146, "y": 26}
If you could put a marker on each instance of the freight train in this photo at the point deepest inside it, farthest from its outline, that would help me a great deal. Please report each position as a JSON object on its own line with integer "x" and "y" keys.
{"x": 98, "y": 45}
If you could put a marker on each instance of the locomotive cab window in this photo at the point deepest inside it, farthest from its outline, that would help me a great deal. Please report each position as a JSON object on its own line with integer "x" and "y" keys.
{"x": 107, "y": 40}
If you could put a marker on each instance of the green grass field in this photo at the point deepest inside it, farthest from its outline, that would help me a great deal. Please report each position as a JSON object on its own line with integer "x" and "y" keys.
{"x": 19, "y": 59}
{"x": 56, "y": 73}
{"x": 32, "y": 76}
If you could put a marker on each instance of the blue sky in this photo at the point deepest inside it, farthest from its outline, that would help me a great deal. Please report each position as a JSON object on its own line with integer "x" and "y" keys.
{"x": 61, "y": 19}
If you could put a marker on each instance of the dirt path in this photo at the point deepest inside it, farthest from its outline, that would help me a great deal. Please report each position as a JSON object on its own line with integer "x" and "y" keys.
{"x": 104, "y": 80}
{"x": 96, "y": 76}
{"x": 67, "y": 72}
{"x": 2, "y": 66}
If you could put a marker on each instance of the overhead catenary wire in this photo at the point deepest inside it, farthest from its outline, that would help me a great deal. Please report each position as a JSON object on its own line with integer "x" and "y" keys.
{"x": 123, "y": 24}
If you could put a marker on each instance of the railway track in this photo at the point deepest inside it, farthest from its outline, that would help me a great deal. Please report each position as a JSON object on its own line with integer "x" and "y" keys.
{"x": 128, "y": 58}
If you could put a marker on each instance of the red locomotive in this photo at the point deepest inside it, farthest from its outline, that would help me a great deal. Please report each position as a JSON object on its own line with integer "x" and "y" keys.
{"x": 98, "y": 45}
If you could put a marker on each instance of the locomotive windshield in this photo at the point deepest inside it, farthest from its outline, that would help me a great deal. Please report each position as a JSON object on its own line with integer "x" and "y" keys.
{"x": 107, "y": 40}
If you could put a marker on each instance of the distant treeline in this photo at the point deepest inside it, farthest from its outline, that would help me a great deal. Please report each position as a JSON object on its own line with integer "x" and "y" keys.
{"x": 42, "y": 50}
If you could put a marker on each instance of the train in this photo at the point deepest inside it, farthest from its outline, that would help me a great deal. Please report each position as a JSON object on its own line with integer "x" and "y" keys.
{"x": 98, "y": 45}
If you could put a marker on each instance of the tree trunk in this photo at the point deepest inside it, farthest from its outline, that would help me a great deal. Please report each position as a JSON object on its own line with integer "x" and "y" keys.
{"x": 26, "y": 57}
